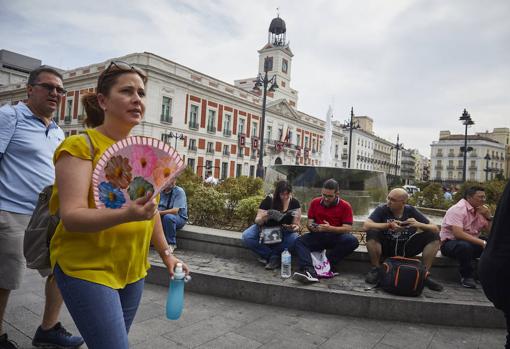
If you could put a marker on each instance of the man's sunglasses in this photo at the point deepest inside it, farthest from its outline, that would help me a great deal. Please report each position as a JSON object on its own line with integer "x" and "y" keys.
{"x": 51, "y": 87}
{"x": 116, "y": 66}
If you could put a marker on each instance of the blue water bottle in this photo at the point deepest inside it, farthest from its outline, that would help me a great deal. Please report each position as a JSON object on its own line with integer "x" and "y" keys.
{"x": 175, "y": 299}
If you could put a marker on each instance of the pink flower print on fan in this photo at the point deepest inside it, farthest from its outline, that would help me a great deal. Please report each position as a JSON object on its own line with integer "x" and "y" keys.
{"x": 164, "y": 169}
{"x": 118, "y": 171}
{"x": 143, "y": 160}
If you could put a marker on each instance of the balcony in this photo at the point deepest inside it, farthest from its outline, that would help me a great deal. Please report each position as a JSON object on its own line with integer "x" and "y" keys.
{"x": 226, "y": 153}
{"x": 439, "y": 167}
{"x": 227, "y": 133}
{"x": 211, "y": 129}
{"x": 450, "y": 167}
{"x": 67, "y": 119}
{"x": 344, "y": 156}
{"x": 473, "y": 168}
{"x": 451, "y": 155}
{"x": 193, "y": 125}
{"x": 192, "y": 149}
{"x": 240, "y": 155}
{"x": 209, "y": 151}
{"x": 439, "y": 155}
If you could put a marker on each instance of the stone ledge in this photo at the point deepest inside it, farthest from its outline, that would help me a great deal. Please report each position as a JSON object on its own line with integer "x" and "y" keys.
{"x": 347, "y": 294}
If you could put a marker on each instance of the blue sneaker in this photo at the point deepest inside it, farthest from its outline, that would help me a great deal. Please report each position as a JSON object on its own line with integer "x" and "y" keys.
{"x": 56, "y": 337}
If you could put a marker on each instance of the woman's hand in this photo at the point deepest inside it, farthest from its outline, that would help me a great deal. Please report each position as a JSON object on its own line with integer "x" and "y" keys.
{"x": 142, "y": 209}
{"x": 171, "y": 262}
{"x": 292, "y": 227}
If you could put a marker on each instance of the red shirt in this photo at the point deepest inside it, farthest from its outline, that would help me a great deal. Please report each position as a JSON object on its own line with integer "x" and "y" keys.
{"x": 336, "y": 215}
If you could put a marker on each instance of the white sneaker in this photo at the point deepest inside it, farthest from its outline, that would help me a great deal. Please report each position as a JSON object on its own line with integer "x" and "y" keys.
{"x": 304, "y": 277}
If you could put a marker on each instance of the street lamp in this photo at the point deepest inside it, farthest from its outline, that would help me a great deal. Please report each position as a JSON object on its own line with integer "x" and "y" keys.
{"x": 177, "y": 136}
{"x": 398, "y": 146}
{"x": 351, "y": 125}
{"x": 487, "y": 170}
{"x": 264, "y": 81}
{"x": 466, "y": 121}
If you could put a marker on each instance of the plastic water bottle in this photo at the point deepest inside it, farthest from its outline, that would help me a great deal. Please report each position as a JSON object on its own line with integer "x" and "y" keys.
{"x": 175, "y": 299}
{"x": 286, "y": 261}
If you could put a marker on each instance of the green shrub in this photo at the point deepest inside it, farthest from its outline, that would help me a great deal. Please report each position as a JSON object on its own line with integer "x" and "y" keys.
{"x": 246, "y": 210}
{"x": 206, "y": 207}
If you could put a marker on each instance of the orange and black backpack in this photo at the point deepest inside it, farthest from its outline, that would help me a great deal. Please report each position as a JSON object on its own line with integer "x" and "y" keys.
{"x": 402, "y": 276}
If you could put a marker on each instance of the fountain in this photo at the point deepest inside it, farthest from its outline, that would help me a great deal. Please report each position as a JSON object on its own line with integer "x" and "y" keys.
{"x": 363, "y": 189}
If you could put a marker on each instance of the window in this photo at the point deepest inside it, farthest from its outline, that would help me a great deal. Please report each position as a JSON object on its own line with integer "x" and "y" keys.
{"x": 239, "y": 170}
{"x": 211, "y": 120}
{"x": 193, "y": 117}
{"x": 280, "y": 133}
{"x": 252, "y": 171}
{"x": 227, "y": 132}
{"x": 69, "y": 110}
{"x": 210, "y": 148}
{"x": 191, "y": 164}
{"x": 438, "y": 174}
{"x": 224, "y": 170}
{"x": 306, "y": 142}
{"x": 269, "y": 132}
{"x": 192, "y": 146}
{"x": 166, "y": 107}
{"x": 268, "y": 64}
{"x": 226, "y": 150}
{"x": 208, "y": 165}
{"x": 240, "y": 128}
{"x": 298, "y": 140}
{"x": 254, "y": 129}
{"x": 285, "y": 66}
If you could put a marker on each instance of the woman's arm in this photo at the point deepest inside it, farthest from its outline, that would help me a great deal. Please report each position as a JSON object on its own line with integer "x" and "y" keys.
{"x": 261, "y": 217}
{"x": 73, "y": 177}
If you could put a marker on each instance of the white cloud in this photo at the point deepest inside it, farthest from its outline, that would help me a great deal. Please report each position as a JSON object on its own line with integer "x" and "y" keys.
{"x": 411, "y": 65}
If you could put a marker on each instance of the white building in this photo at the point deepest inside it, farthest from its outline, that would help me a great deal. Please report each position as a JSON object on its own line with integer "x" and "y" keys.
{"x": 447, "y": 159}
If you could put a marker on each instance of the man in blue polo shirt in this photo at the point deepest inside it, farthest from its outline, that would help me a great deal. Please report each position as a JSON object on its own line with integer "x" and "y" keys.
{"x": 28, "y": 138}
{"x": 173, "y": 209}
{"x": 330, "y": 225}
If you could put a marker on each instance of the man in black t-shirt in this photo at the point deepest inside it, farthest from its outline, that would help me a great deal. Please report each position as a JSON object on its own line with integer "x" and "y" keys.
{"x": 397, "y": 229}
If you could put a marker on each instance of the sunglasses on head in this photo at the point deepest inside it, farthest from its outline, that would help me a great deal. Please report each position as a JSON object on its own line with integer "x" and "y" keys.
{"x": 50, "y": 88}
{"x": 116, "y": 66}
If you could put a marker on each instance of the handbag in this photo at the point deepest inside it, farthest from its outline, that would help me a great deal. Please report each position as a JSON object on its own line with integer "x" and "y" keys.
{"x": 321, "y": 264}
{"x": 271, "y": 235}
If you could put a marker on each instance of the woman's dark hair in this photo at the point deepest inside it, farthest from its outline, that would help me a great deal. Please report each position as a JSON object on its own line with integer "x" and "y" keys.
{"x": 106, "y": 80}
{"x": 280, "y": 187}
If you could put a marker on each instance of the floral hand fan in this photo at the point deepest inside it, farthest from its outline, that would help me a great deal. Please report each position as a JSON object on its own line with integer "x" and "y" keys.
{"x": 131, "y": 168}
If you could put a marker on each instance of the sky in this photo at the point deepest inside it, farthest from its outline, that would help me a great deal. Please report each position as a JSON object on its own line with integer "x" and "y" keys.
{"x": 410, "y": 65}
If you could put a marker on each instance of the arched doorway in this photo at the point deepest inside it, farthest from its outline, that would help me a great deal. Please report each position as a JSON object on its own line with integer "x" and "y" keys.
{"x": 278, "y": 161}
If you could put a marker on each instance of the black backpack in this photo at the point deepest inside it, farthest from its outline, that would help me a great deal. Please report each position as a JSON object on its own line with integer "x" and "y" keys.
{"x": 402, "y": 276}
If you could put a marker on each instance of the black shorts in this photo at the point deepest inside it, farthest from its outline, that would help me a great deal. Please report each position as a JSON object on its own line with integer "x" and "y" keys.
{"x": 411, "y": 247}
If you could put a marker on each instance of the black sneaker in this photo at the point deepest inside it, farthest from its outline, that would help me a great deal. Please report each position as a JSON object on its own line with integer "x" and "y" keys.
{"x": 306, "y": 276}
{"x": 372, "y": 276}
{"x": 56, "y": 337}
{"x": 433, "y": 285}
{"x": 273, "y": 264}
{"x": 468, "y": 282}
{"x": 5, "y": 343}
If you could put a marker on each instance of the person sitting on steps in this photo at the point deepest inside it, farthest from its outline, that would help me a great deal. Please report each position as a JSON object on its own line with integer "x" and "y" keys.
{"x": 398, "y": 229}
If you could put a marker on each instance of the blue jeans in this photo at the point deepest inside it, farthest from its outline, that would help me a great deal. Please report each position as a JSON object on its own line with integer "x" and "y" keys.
{"x": 251, "y": 239}
{"x": 102, "y": 314}
{"x": 338, "y": 246}
{"x": 464, "y": 252}
{"x": 172, "y": 222}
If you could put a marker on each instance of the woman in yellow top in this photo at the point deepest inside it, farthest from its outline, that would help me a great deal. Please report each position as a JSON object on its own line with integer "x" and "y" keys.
{"x": 99, "y": 256}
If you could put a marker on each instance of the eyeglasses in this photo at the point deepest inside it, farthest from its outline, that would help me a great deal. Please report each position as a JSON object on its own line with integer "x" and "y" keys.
{"x": 51, "y": 87}
{"x": 328, "y": 196}
{"x": 116, "y": 66}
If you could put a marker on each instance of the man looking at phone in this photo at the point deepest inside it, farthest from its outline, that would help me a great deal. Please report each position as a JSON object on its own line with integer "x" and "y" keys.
{"x": 398, "y": 229}
{"x": 330, "y": 225}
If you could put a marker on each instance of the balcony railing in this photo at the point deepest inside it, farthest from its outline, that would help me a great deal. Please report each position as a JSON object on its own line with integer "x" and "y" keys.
{"x": 226, "y": 153}
{"x": 240, "y": 155}
{"x": 450, "y": 167}
{"x": 209, "y": 151}
{"x": 227, "y": 133}
{"x": 193, "y": 125}
{"x": 192, "y": 149}
{"x": 211, "y": 129}
{"x": 67, "y": 119}
{"x": 451, "y": 155}
{"x": 439, "y": 155}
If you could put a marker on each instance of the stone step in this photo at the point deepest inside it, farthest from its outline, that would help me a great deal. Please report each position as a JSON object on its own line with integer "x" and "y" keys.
{"x": 242, "y": 277}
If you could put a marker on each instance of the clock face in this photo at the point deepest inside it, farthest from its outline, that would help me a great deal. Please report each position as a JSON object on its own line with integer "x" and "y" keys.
{"x": 284, "y": 66}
